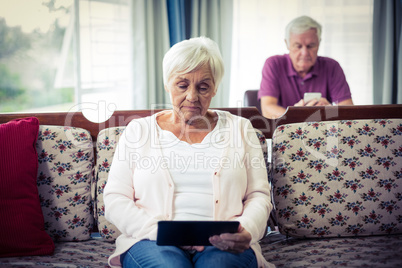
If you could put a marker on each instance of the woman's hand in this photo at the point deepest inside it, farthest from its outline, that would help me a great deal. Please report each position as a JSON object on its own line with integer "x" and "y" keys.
{"x": 234, "y": 243}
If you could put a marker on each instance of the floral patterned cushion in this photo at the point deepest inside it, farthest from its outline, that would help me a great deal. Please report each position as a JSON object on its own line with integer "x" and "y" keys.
{"x": 338, "y": 178}
{"x": 106, "y": 144}
{"x": 65, "y": 175}
{"x": 265, "y": 149}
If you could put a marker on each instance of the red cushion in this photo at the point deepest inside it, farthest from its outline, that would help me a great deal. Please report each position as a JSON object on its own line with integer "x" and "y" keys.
{"x": 22, "y": 230}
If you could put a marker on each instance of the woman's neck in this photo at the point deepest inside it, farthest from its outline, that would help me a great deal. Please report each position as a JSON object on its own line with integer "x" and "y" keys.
{"x": 191, "y": 131}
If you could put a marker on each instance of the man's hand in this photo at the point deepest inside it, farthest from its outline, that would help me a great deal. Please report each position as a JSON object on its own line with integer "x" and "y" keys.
{"x": 323, "y": 102}
{"x": 314, "y": 102}
{"x": 270, "y": 108}
{"x": 234, "y": 243}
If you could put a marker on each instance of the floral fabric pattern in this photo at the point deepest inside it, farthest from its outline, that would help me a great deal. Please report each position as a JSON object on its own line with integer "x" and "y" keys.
{"x": 65, "y": 156}
{"x": 105, "y": 148}
{"x": 84, "y": 254}
{"x": 371, "y": 251}
{"x": 338, "y": 178}
{"x": 326, "y": 175}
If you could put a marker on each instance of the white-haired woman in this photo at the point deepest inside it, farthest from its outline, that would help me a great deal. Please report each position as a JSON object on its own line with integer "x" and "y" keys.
{"x": 200, "y": 171}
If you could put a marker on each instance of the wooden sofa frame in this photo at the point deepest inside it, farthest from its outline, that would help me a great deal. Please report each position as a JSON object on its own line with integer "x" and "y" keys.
{"x": 267, "y": 126}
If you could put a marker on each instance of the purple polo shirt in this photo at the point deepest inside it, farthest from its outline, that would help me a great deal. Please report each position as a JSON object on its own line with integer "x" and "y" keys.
{"x": 280, "y": 80}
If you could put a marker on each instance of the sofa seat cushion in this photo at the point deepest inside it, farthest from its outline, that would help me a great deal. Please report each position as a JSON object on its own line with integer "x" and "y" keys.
{"x": 65, "y": 177}
{"x": 89, "y": 253}
{"x": 338, "y": 178}
{"x": 22, "y": 228}
{"x": 370, "y": 251}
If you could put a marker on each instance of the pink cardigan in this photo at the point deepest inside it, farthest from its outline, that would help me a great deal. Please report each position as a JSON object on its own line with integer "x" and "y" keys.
{"x": 139, "y": 190}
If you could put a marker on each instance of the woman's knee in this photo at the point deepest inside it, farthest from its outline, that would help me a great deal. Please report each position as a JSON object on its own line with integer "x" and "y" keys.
{"x": 214, "y": 257}
{"x": 147, "y": 254}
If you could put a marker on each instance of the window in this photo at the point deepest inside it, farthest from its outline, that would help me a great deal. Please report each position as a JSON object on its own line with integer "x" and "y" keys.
{"x": 104, "y": 68}
{"x": 60, "y": 55}
{"x": 32, "y": 33}
{"x": 259, "y": 32}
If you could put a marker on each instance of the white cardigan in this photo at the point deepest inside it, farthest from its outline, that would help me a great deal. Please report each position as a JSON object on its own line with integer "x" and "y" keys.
{"x": 139, "y": 190}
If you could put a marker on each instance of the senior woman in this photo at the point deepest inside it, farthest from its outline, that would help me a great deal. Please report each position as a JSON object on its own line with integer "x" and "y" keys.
{"x": 188, "y": 163}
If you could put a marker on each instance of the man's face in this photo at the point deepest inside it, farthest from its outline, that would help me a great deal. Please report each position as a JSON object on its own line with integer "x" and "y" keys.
{"x": 303, "y": 49}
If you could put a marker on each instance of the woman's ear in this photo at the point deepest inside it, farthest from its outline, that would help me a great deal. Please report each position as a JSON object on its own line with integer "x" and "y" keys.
{"x": 216, "y": 90}
{"x": 166, "y": 88}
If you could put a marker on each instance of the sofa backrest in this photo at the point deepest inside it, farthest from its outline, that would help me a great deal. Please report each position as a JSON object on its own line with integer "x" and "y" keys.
{"x": 266, "y": 125}
{"x": 338, "y": 178}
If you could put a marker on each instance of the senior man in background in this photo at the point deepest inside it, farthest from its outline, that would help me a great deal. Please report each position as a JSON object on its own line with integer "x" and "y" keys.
{"x": 285, "y": 78}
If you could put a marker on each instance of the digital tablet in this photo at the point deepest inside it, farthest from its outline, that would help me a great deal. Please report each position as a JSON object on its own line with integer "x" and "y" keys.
{"x": 192, "y": 233}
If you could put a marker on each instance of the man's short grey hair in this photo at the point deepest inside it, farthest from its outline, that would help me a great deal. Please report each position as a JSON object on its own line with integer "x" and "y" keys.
{"x": 301, "y": 25}
{"x": 189, "y": 55}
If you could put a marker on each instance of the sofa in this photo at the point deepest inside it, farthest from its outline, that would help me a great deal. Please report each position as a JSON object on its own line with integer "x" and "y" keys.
{"x": 335, "y": 174}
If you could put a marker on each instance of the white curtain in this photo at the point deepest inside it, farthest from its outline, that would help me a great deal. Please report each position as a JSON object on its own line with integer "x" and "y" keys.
{"x": 150, "y": 43}
{"x": 259, "y": 32}
{"x": 213, "y": 18}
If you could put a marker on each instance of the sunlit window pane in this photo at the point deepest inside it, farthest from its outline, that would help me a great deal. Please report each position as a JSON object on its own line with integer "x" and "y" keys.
{"x": 31, "y": 37}
{"x": 57, "y": 55}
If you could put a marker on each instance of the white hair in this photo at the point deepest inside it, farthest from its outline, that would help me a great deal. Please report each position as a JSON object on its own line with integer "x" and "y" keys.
{"x": 301, "y": 25}
{"x": 189, "y": 55}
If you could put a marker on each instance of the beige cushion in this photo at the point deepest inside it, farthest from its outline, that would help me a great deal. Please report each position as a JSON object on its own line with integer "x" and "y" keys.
{"x": 338, "y": 178}
{"x": 105, "y": 148}
{"x": 65, "y": 156}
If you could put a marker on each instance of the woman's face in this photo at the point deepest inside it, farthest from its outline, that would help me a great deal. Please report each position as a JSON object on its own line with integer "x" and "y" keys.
{"x": 191, "y": 93}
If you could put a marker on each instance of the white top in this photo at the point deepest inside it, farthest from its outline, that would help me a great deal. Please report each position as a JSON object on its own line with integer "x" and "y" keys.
{"x": 191, "y": 167}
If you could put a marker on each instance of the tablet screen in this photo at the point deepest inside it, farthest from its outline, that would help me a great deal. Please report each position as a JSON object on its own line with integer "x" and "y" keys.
{"x": 192, "y": 233}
